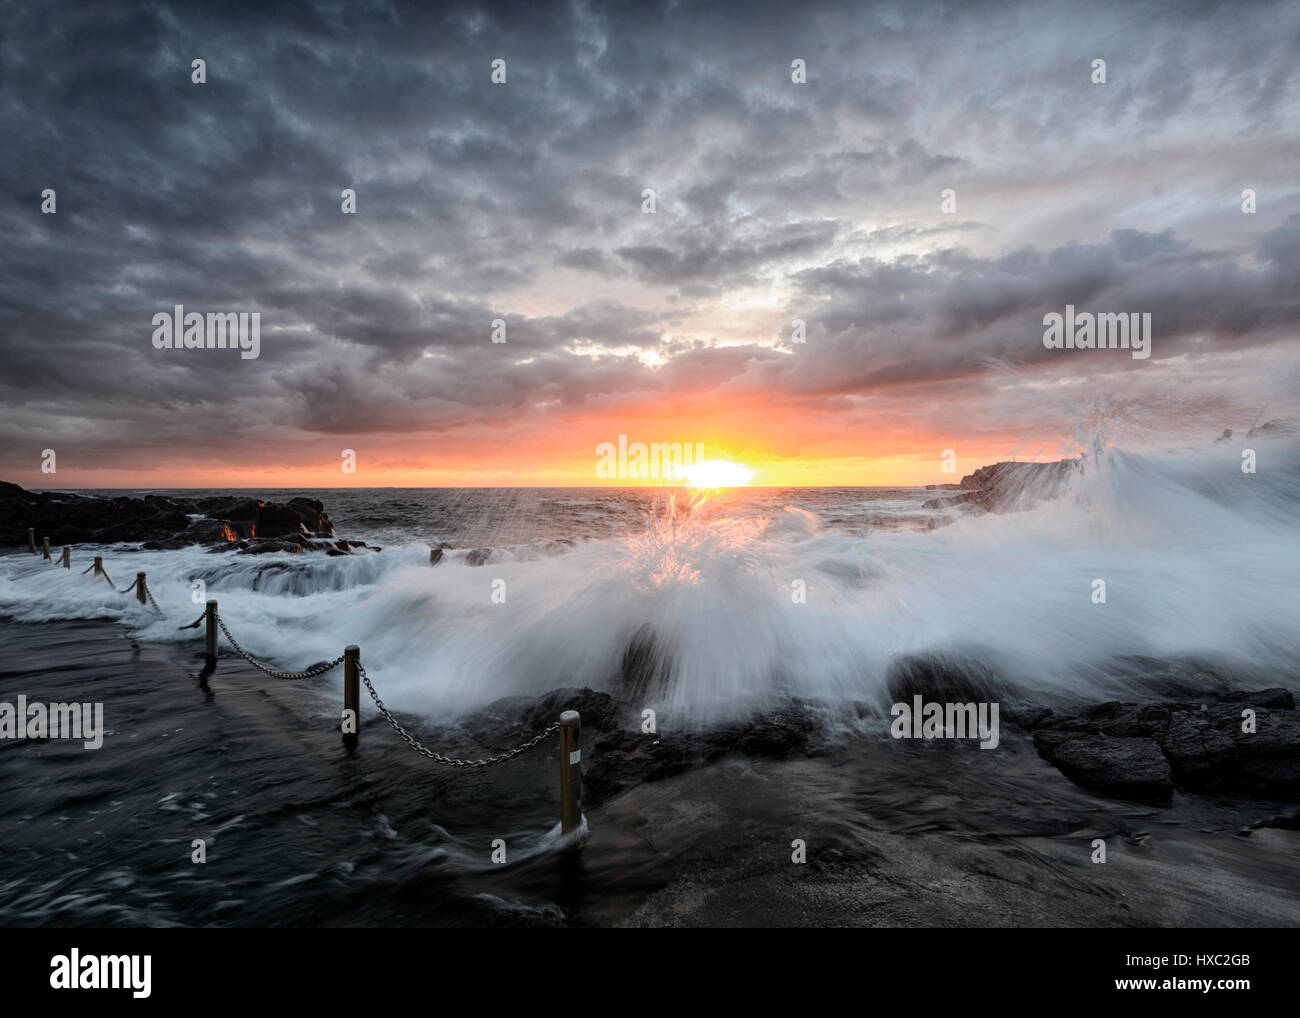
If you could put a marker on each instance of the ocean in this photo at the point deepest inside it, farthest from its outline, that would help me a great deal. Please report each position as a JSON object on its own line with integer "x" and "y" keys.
{"x": 744, "y": 600}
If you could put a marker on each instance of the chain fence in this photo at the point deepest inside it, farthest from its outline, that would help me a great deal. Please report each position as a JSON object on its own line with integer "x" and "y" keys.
{"x": 324, "y": 667}
{"x": 423, "y": 750}
{"x": 275, "y": 673}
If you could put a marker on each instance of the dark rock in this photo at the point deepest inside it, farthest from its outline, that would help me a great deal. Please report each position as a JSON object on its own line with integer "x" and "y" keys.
{"x": 948, "y": 501}
{"x": 776, "y": 735}
{"x": 1131, "y": 768}
{"x": 943, "y": 680}
{"x": 1269, "y": 758}
{"x": 646, "y": 666}
{"x": 261, "y": 546}
{"x": 161, "y": 520}
{"x": 515, "y": 717}
{"x": 1199, "y": 751}
{"x": 1027, "y": 716}
{"x": 435, "y": 555}
{"x": 1202, "y": 742}
{"x": 311, "y": 513}
{"x": 478, "y": 556}
{"x": 624, "y": 759}
{"x": 210, "y": 532}
{"x": 617, "y": 754}
{"x": 1004, "y": 487}
{"x": 1172, "y": 679}
{"x": 275, "y": 520}
{"x": 1273, "y": 699}
{"x": 231, "y": 509}
{"x": 169, "y": 544}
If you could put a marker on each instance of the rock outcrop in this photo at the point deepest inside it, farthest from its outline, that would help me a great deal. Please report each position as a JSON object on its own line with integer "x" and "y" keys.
{"x": 1237, "y": 741}
{"x": 163, "y": 522}
{"x": 1002, "y": 487}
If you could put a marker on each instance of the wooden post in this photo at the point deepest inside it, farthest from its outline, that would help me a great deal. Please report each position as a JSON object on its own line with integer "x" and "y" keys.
{"x": 45, "y": 548}
{"x": 352, "y": 690}
{"x": 99, "y": 566}
{"x": 570, "y": 771}
{"x": 67, "y": 556}
{"x": 210, "y": 635}
{"x": 139, "y": 587}
{"x": 31, "y": 540}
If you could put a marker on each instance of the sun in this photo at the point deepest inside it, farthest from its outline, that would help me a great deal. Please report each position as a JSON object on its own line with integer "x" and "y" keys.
{"x": 714, "y": 474}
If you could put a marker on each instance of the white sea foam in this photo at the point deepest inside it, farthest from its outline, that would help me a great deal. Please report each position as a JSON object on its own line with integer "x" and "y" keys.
{"x": 1199, "y": 559}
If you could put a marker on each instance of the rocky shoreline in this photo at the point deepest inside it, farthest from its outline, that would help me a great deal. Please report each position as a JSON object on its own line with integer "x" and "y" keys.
{"x": 1197, "y": 733}
{"x": 898, "y": 833}
{"x": 223, "y": 523}
{"x": 1196, "y": 738}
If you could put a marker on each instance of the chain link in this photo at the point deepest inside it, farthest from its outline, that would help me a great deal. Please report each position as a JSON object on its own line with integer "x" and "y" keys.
{"x": 423, "y": 750}
{"x": 149, "y": 594}
{"x": 309, "y": 673}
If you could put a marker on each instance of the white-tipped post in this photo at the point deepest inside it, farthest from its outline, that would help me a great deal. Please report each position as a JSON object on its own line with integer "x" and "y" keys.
{"x": 570, "y": 771}
{"x": 210, "y": 633}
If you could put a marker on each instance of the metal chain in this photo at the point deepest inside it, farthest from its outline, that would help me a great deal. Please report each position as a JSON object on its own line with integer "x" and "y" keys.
{"x": 275, "y": 673}
{"x": 149, "y": 594}
{"x": 322, "y": 668}
{"x": 420, "y": 748}
{"x": 127, "y": 590}
{"x": 108, "y": 578}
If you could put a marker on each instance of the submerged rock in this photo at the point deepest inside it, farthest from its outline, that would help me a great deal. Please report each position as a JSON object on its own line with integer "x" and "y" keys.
{"x": 943, "y": 679}
{"x": 646, "y": 666}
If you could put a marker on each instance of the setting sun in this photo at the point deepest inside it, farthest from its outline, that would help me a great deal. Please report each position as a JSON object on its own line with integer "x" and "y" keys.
{"x": 715, "y": 474}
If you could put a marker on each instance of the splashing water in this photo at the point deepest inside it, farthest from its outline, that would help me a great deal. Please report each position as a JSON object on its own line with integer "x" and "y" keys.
{"x": 719, "y": 604}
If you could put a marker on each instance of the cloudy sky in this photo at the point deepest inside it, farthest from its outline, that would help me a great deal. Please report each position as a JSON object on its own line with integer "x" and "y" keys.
{"x": 523, "y": 202}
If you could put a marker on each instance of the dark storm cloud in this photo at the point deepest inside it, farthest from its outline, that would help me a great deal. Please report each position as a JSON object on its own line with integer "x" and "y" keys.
{"x": 522, "y": 202}
{"x": 933, "y": 318}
